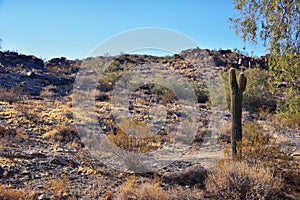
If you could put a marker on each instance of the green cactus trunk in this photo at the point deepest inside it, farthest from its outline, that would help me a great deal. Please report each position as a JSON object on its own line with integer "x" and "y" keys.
{"x": 237, "y": 89}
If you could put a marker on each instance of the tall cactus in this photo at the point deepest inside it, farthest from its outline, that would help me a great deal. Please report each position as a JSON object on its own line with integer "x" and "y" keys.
{"x": 237, "y": 89}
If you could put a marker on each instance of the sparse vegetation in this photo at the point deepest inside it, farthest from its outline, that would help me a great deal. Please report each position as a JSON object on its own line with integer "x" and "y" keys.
{"x": 238, "y": 180}
{"x": 264, "y": 170}
{"x": 39, "y": 140}
{"x": 62, "y": 133}
{"x": 7, "y": 193}
{"x": 277, "y": 25}
{"x": 130, "y": 190}
{"x": 10, "y": 95}
{"x": 258, "y": 92}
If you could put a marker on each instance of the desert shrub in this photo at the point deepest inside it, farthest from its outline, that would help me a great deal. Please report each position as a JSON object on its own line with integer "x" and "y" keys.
{"x": 168, "y": 97}
{"x": 238, "y": 180}
{"x": 259, "y": 148}
{"x": 141, "y": 141}
{"x": 258, "y": 92}
{"x": 59, "y": 187}
{"x": 112, "y": 77}
{"x": 292, "y": 120}
{"x": 114, "y": 67}
{"x": 158, "y": 89}
{"x": 14, "y": 194}
{"x": 62, "y": 133}
{"x": 130, "y": 190}
{"x": 201, "y": 92}
{"x": 10, "y": 95}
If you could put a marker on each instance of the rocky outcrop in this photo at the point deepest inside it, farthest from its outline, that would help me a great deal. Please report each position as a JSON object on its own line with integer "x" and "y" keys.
{"x": 33, "y": 74}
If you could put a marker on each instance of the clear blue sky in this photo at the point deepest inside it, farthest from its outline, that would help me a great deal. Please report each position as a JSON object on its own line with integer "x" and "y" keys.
{"x": 73, "y": 28}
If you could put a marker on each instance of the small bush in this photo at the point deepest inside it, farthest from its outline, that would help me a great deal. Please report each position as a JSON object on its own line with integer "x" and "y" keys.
{"x": 168, "y": 97}
{"x": 113, "y": 77}
{"x": 104, "y": 86}
{"x": 130, "y": 190}
{"x": 201, "y": 92}
{"x": 115, "y": 67}
{"x": 260, "y": 151}
{"x": 237, "y": 180}
{"x": 10, "y": 95}
{"x": 59, "y": 186}
{"x": 158, "y": 89}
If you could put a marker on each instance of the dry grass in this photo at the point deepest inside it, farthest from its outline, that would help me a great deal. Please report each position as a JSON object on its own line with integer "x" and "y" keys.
{"x": 62, "y": 133}
{"x": 133, "y": 189}
{"x": 59, "y": 186}
{"x": 180, "y": 193}
{"x": 130, "y": 190}
{"x": 141, "y": 141}
{"x": 14, "y": 194}
{"x": 292, "y": 120}
{"x": 237, "y": 180}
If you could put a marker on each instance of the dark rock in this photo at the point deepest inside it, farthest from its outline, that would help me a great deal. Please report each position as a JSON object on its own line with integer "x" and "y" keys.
{"x": 191, "y": 176}
{"x": 59, "y": 160}
{"x": 1, "y": 171}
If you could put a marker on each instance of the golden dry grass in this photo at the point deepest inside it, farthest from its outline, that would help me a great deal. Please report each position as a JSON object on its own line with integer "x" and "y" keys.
{"x": 7, "y": 193}
{"x": 130, "y": 190}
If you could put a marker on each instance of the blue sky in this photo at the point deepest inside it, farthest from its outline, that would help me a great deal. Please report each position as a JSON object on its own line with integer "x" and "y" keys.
{"x": 73, "y": 28}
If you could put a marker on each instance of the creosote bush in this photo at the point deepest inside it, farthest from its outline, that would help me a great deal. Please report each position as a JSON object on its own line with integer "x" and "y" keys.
{"x": 264, "y": 170}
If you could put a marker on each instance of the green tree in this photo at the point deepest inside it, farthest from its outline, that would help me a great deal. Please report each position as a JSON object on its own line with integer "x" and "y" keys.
{"x": 277, "y": 24}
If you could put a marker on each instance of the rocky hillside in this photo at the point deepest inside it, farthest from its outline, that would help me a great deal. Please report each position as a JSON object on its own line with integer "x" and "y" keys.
{"x": 44, "y": 155}
{"x": 34, "y": 75}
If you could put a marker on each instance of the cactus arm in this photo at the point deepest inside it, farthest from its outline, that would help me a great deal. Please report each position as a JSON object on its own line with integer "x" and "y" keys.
{"x": 242, "y": 82}
{"x": 232, "y": 81}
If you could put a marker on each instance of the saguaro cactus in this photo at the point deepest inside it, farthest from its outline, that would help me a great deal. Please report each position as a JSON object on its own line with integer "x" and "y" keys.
{"x": 237, "y": 89}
